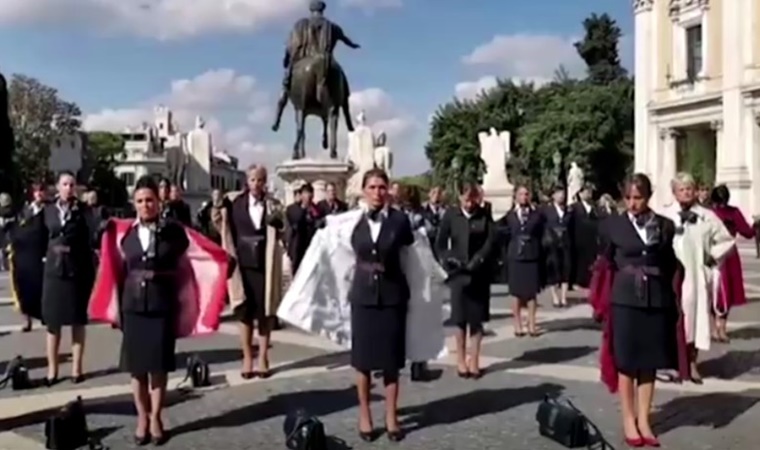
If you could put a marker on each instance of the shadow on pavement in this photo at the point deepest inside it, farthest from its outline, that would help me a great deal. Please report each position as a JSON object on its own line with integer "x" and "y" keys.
{"x": 745, "y": 334}
{"x": 574, "y": 324}
{"x": 318, "y": 403}
{"x": 716, "y": 410}
{"x": 210, "y": 356}
{"x": 731, "y": 365}
{"x": 463, "y": 407}
{"x": 549, "y": 355}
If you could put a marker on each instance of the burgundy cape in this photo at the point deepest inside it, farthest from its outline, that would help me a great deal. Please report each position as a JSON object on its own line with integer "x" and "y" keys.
{"x": 202, "y": 281}
{"x": 600, "y": 292}
{"x": 730, "y": 289}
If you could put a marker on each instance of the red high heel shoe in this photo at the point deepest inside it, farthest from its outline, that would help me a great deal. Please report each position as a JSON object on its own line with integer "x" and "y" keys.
{"x": 634, "y": 442}
{"x": 651, "y": 442}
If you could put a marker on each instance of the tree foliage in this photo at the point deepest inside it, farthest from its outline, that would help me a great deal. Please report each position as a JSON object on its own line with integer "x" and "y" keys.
{"x": 38, "y": 116}
{"x": 7, "y": 147}
{"x": 103, "y": 152}
{"x": 589, "y": 121}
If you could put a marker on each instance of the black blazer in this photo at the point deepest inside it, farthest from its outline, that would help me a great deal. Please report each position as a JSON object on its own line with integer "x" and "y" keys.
{"x": 302, "y": 225}
{"x": 150, "y": 281}
{"x": 558, "y": 232}
{"x": 179, "y": 211}
{"x": 467, "y": 241}
{"x": 69, "y": 245}
{"x": 379, "y": 278}
{"x": 523, "y": 239}
{"x": 336, "y": 208}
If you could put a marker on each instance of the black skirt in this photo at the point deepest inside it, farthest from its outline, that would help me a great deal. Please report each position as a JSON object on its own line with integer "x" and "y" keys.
{"x": 148, "y": 344}
{"x": 470, "y": 302}
{"x": 378, "y": 338}
{"x": 254, "y": 289}
{"x": 524, "y": 279}
{"x": 644, "y": 339}
{"x": 559, "y": 265}
{"x": 64, "y": 301}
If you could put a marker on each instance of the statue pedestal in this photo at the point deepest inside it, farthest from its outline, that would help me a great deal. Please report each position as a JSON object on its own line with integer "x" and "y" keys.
{"x": 501, "y": 199}
{"x": 317, "y": 172}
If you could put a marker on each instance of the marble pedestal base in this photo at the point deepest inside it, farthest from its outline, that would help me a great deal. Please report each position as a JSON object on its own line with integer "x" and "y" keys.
{"x": 501, "y": 200}
{"x": 318, "y": 172}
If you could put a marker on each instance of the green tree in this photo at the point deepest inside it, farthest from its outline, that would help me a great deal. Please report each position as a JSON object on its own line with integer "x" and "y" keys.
{"x": 424, "y": 181}
{"x": 8, "y": 180}
{"x": 599, "y": 49}
{"x": 38, "y": 116}
{"x": 103, "y": 152}
{"x": 453, "y": 149}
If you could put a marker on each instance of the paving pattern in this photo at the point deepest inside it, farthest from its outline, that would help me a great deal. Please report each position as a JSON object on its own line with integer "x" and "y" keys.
{"x": 448, "y": 413}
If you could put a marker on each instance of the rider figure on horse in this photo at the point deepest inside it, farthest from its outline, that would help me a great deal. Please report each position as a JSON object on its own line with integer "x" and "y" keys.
{"x": 315, "y": 37}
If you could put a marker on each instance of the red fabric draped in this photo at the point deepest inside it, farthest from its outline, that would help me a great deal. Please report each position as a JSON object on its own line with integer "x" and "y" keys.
{"x": 600, "y": 293}
{"x": 202, "y": 281}
{"x": 730, "y": 290}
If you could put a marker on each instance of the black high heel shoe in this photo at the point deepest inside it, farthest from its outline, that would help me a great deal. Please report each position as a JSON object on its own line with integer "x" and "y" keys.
{"x": 142, "y": 441}
{"x": 395, "y": 435}
{"x": 50, "y": 382}
{"x": 367, "y": 436}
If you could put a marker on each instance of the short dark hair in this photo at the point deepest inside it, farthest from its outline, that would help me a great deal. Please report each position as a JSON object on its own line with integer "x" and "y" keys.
{"x": 642, "y": 183}
{"x": 469, "y": 188}
{"x": 147, "y": 182}
{"x": 720, "y": 195}
{"x": 374, "y": 173}
{"x": 65, "y": 173}
{"x": 306, "y": 187}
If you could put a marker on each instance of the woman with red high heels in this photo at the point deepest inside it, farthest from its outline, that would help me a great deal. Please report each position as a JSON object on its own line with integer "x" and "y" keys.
{"x": 633, "y": 292}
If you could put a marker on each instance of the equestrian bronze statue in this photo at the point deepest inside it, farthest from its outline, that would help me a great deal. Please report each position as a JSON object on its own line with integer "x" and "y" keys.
{"x": 314, "y": 82}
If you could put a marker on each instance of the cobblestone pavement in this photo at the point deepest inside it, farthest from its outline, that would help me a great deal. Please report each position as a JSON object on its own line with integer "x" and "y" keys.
{"x": 495, "y": 412}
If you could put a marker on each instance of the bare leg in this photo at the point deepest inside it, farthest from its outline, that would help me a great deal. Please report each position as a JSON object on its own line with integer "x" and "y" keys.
{"x": 563, "y": 294}
{"x": 391, "y": 402}
{"x": 644, "y": 396}
{"x": 78, "y": 335}
{"x": 157, "y": 399}
{"x": 142, "y": 404}
{"x": 532, "y": 307}
{"x": 53, "y": 346}
{"x": 362, "y": 391}
{"x": 625, "y": 392}
{"x": 476, "y": 339}
{"x": 696, "y": 377}
{"x": 517, "y": 317}
{"x": 264, "y": 337}
{"x": 246, "y": 334}
{"x": 555, "y": 295}
{"x": 722, "y": 325}
{"x": 461, "y": 343}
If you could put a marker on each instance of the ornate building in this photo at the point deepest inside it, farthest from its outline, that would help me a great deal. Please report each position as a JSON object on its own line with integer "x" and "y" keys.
{"x": 697, "y": 100}
{"x": 146, "y": 151}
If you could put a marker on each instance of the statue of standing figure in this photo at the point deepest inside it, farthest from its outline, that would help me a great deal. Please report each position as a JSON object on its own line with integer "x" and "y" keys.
{"x": 314, "y": 82}
{"x": 575, "y": 180}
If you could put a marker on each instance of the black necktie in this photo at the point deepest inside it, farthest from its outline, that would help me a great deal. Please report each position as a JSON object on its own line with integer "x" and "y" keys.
{"x": 687, "y": 216}
{"x": 641, "y": 220}
{"x": 374, "y": 214}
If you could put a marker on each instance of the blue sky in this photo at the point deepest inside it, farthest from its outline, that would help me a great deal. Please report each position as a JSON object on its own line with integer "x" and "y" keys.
{"x": 221, "y": 59}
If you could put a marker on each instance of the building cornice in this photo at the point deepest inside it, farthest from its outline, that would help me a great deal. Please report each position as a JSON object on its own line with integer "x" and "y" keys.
{"x": 678, "y": 7}
{"x": 641, "y": 6}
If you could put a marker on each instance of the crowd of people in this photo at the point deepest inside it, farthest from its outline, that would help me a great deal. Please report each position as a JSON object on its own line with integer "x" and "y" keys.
{"x": 644, "y": 271}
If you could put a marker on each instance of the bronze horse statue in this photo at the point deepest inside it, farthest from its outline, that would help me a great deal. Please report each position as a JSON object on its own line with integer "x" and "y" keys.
{"x": 326, "y": 101}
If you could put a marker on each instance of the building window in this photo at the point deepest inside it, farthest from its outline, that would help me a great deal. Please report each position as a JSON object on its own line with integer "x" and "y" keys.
{"x": 694, "y": 61}
{"x": 128, "y": 178}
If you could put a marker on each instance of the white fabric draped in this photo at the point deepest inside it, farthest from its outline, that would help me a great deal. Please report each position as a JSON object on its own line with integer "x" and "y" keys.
{"x": 317, "y": 300}
{"x": 706, "y": 237}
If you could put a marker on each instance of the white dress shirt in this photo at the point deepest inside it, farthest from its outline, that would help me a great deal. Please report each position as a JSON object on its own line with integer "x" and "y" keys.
{"x": 640, "y": 230}
{"x": 146, "y": 235}
{"x": 586, "y": 206}
{"x": 376, "y": 225}
{"x": 560, "y": 211}
{"x": 256, "y": 211}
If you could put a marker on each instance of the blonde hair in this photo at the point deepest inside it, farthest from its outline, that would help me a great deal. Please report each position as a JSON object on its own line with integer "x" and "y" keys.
{"x": 683, "y": 179}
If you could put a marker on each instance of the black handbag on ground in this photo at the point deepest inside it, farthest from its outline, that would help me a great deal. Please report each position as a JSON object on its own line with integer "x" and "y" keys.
{"x": 16, "y": 374}
{"x": 197, "y": 372}
{"x": 563, "y": 423}
{"x": 67, "y": 429}
{"x": 304, "y": 432}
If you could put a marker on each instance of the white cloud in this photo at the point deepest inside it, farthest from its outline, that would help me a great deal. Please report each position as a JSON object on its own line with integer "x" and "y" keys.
{"x": 526, "y": 56}
{"x": 470, "y": 89}
{"x": 164, "y": 19}
{"x": 381, "y": 112}
{"x": 213, "y": 94}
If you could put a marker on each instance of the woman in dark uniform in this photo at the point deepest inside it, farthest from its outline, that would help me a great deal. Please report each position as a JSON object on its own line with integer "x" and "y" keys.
{"x": 522, "y": 230}
{"x": 379, "y": 297}
{"x": 69, "y": 275}
{"x": 464, "y": 243}
{"x": 152, "y": 251}
{"x": 643, "y": 313}
{"x": 28, "y": 246}
{"x": 558, "y": 241}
